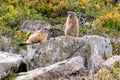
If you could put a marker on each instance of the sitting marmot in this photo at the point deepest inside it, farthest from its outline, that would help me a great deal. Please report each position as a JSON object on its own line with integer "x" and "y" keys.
{"x": 72, "y": 28}
{"x": 36, "y": 37}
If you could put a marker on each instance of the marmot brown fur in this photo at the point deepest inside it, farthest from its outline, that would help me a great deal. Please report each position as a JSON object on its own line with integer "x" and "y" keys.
{"x": 72, "y": 28}
{"x": 36, "y": 37}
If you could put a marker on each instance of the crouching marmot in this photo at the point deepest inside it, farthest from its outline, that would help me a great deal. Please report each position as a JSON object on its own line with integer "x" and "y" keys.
{"x": 36, "y": 37}
{"x": 72, "y": 28}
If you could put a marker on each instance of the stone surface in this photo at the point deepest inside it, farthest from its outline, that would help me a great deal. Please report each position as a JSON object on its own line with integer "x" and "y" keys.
{"x": 60, "y": 26}
{"x": 8, "y": 61}
{"x": 91, "y": 48}
{"x": 99, "y": 45}
{"x": 55, "y": 50}
{"x": 23, "y": 53}
{"x": 34, "y": 25}
{"x": 110, "y": 62}
{"x": 101, "y": 49}
{"x": 64, "y": 70}
{"x": 5, "y": 46}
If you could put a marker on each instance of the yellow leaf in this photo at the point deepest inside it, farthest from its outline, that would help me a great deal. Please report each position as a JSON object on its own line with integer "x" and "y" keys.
{"x": 50, "y": 5}
{"x": 1, "y": 18}
{"x": 97, "y": 20}
{"x": 11, "y": 7}
{"x": 97, "y": 6}
{"x": 19, "y": 32}
{"x": 83, "y": 7}
{"x": 1, "y": 21}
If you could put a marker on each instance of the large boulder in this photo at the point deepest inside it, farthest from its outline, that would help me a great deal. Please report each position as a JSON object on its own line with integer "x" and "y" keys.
{"x": 99, "y": 45}
{"x": 91, "y": 48}
{"x": 55, "y": 50}
{"x": 70, "y": 69}
{"x": 34, "y": 25}
{"x": 8, "y": 63}
{"x": 101, "y": 49}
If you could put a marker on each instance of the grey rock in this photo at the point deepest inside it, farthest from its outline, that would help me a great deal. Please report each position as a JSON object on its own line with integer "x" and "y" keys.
{"x": 34, "y": 25}
{"x": 7, "y": 62}
{"x": 64, "y": 70}
{"x": 6, "y": 41}
{"x": 110, "y": 62}
{"x": 60, "y": 26}
{"x": 95, "y": 62}
{"x": 23, "y": 53}
{"x": 99, "y": 45}
{"x": 101, "y": 49}
{"x": 5, "y": 46}
{"x": 91, "y": 48}
{"x": 57, "y": 49}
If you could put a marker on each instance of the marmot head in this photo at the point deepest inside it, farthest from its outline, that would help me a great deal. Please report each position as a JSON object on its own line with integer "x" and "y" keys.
{"x": 71, "y": 14}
